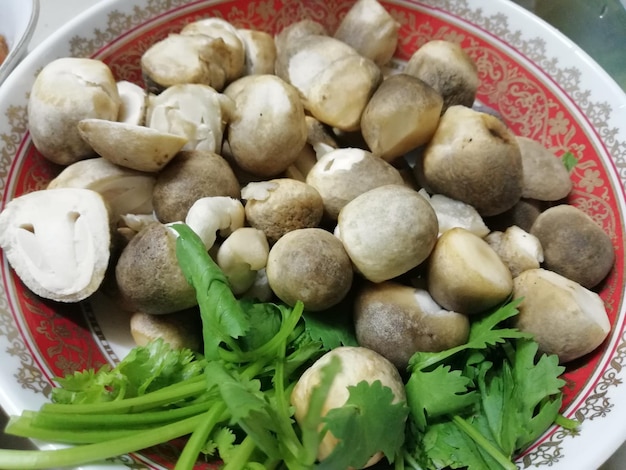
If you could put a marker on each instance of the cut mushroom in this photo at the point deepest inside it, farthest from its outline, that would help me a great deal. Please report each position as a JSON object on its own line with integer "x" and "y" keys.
{"x": 387, "y": 231}
{"x": 396, "y": 321}
{"x": 268, "y": 129}
{"x": 195, "y": 112}
{"x": 574, "y": 245}
{"x": 58, "y": 241}
{"x": 465, "y": 274}
{"x": 446, "y": 67}
{"x": 343, "y": 174}
{"x": 241, "y": 256}
{"x": 208, "y": 215}
{"x": 564, "y": 318}
{"x": 126, "y": 191}
{"x": 65, "y": 92}
{"x": 371, "y": 30}
{"x": 135, "y": 147}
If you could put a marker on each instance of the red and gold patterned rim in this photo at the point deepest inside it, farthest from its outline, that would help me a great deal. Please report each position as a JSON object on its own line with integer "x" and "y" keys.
{"x": 517, "y": 79}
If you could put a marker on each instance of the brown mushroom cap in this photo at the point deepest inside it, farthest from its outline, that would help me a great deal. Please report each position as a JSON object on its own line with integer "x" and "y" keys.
{"x": 310, "y": 265}
{"x": 284, "y": 205}
{"x": 474, "y": 158}
{"x": 574, "y": 245}
{"x": 396, "y": 321}
{"x": 191, "y": 175}
{"x": 178, "y": 329}
{"x": 448, "y": 69}
{"x": 545, "y": 176}
{"x": 148, "y": 275}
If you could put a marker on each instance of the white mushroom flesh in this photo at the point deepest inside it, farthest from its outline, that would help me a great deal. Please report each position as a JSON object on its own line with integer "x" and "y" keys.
{"x": 57, "y": 241}
{"x": 133, "y": 103}
{"x": 208, "y": 215}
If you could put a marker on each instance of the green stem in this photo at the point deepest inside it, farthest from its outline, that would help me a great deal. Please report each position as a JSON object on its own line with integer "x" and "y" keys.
{"x": 74, "y": 456}
{"x": 52, "y": 420}
{"x": 163, "y": 396}
{"x": 198, "y": 439}
{"x": 242, "y": 455}
{"x": 484, "y": 443}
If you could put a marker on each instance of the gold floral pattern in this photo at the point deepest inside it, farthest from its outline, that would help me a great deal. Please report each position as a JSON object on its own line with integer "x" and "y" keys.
{"x": 527, "y": 105}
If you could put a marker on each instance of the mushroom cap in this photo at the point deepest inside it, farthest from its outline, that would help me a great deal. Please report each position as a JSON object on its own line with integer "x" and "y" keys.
{"x": 402, "y": 114}
{"x": 574, "y": 245}
{"x": 565, "y": 318}
{"x": 358, "y": 364}
{"x": 179, "y": 329}
{"x": 446, "y": 67}
{"x": 387, "y": 231}
{"x": 284, "y": 205}
{"x": 397, "y": 320}
{"x": 465, "y": 274}
{"x": 545, "y": 176}
{"x": 309, "y": 265}
{"x": 343, "y": 174}
{"x": 148, "y": 276}
{"x": 58, "y": 241}
{"x": 191, "y": 175}
{"x": 467, "y": 146}
{"x": 66, "y": 91}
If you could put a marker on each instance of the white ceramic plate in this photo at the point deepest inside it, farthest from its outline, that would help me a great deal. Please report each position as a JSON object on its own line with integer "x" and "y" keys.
{"x": 543, "y": 85}
{"x": 17, "y": 24}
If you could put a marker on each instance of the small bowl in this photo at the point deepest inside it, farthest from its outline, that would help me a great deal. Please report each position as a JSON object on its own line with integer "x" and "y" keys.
{"x": 17, "y": 24}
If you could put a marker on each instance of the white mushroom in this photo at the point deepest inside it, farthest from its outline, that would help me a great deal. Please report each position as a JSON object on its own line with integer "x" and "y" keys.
{"x": 57, "y": 241}
{"x": 126, "y": 191}
{"x": 131, "y": 146}
{"x": 208, "y": 215}
{"x": 371, "y": 30}
{"x": 260, "y": 51}
{"x": 196, "y": 112}
{"x": 241, "y": 256}
{"x": 66, "y": 91}
{"x": 133, "y": 103}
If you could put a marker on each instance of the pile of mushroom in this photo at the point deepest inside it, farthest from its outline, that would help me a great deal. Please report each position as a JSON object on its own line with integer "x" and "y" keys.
{"x": 311, "y": 173}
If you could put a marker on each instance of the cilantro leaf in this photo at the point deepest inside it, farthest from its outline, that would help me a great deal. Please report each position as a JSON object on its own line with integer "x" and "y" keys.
{"x": 223, "y": 318}
{"x": 357, "y": 425}
{"x": 331, "y": 330}
{"x": 569, "y": 160}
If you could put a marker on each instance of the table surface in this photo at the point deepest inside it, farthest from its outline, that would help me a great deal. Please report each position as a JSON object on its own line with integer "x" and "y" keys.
{"x": 597, "y": 26}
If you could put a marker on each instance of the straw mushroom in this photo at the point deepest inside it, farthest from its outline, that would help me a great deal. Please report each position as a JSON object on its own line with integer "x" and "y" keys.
{"x": 260, "y": 51}
{"x": 210, "y": 215}
{"x": 133, "y": 105}
{"x": 191, "y": 175}
{"x": 309, "y": 265}
{"x": 371, "y": 30}
{"x": 281, "y": 205}
{"x": 179, "y": 329}
{"x": 402, "y": 115}
{"x": 343, "y": 174}
{"x": 397, "y": 320}
{"x": 545, "y": 176}
{"x": 66, "y": 91}
{"x": 465, "y": 274}
{"x": 574, "y": 245}
{"x": 518, "y": 249}
{"x": 446, "y": 67}
{"x": 387, "y": 231}
{"x": 126, "y": 191}
{"x": 57, "y": 241}
{"x": 148, "y": 276}
{"x": 268, "y": 128}
{"x": 467, "y": 146}
{"x": 452, "y": 213}
{"x": 565, "y": 318}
